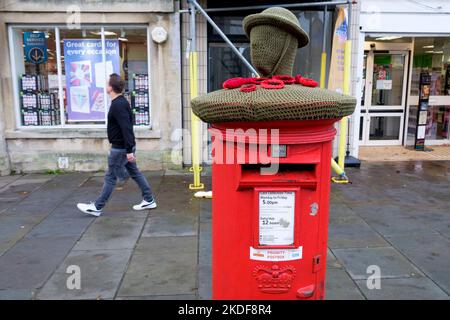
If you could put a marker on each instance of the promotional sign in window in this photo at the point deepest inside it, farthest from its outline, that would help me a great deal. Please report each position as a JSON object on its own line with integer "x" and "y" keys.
{"x": 86, "y": 76}
{"x": 35, "y": 47}
{"x": 276, "y": 218}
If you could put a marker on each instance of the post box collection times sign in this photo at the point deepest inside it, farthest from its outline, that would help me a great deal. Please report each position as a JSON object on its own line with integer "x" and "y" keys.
{"x": 276, "y": 218}
{"x": 276, "y": 226}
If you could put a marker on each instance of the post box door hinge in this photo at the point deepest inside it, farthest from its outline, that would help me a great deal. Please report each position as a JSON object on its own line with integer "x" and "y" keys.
{"x": 317, "y": 263}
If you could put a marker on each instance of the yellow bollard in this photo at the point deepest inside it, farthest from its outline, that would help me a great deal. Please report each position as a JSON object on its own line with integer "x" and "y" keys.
{"x": 323, "y": 68}
{"x": 195, "y": 122}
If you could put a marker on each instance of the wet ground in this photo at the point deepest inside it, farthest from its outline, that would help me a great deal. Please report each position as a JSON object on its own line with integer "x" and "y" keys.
{"x": 395, "y": 216}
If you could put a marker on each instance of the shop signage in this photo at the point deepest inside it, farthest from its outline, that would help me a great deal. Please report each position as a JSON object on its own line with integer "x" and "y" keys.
{"x": 35, "y": 47}
{"x": 86, "y": 76}
{"x": 276, "y": 218}
{"x": 422, "y": 110}
{"x": 336, "y": 75}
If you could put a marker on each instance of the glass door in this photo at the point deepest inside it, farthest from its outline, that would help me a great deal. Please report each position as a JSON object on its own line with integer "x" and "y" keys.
{"x": 383, "y": 108}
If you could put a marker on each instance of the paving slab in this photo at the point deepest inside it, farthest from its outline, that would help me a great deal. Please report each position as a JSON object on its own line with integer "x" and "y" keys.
{"x": 100, "y": 273}
{"x": 13, "y": 228}
{"x": 111, "y": 233}
{"x": 391, "y": 263}
{"x": 395, "y": 222}
{"x": 18, "y": 294}
{"x": 339, "y": 286}
{"x": 171, "y": 224}
{"x": 205, "y": 262}
{"x": 162, "y": 266}
{"x": 31, "y": 261}
{"x": 340, "y": 210}
{"x": 429, "y": 252}
{"x": 404, "y": 289}
{"x": 56, "y": 226}
{"x": 332, "y": 262}
{"x": 352, "y": 232}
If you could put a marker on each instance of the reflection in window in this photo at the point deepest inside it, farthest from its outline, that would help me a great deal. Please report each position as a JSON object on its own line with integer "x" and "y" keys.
{"x": 432, "y": 54}
{"x": 224, "y": 64}
{"x": 384, "y": 128}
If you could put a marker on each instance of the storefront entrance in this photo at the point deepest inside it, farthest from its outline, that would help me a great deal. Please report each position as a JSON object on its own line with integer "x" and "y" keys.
{"x": 384, "y": 99}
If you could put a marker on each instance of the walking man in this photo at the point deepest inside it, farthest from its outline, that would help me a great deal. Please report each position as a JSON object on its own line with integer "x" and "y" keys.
{"x": 122, "y": 158}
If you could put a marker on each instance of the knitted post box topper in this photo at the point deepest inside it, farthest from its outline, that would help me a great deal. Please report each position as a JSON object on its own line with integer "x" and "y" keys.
{"x": 275, "y": 35}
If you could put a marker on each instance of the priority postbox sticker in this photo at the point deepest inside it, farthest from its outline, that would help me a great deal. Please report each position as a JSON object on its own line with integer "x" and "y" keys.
{"x": 276, "y": 254}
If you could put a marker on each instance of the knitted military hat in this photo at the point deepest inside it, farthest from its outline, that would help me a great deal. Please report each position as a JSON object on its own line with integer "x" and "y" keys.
{"x": 274, "y": 40}
{"x": 280, "y": 18}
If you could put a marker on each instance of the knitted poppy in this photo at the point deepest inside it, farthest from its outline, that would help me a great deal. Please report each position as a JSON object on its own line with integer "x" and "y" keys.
{"x": 272, "y": 84}
{"x": 234, "y": 83}
{"x": 297, "y": 78}
{"x": 258, "y": 80}
{"x": 287, "y": 79}
{"x": 248, "y": 87}
{"x": 308, "y": 82}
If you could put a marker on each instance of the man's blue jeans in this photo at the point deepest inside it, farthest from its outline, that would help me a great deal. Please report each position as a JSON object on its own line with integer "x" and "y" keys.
{"x": 119, "y": 167}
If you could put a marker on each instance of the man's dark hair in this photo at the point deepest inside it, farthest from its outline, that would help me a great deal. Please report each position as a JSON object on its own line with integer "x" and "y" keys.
{"x": 116, "y": 83}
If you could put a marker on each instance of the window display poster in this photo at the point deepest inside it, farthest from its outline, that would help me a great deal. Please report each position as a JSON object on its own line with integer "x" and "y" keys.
{"x": 35, "y": 47}
{"x": 86, "y": 76}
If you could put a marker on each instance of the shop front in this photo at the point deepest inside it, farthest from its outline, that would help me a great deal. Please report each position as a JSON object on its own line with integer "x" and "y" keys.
{"x": 400, "y": 43}
{"x": 56, "y": 61}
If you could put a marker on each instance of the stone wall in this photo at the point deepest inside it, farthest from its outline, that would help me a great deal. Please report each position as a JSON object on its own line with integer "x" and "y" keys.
{"x": 37, "y": 149}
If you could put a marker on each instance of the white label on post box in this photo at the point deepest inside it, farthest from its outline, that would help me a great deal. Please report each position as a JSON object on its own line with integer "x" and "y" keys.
{"x": 276, "y": 218}
{"x": 276, "y": 254}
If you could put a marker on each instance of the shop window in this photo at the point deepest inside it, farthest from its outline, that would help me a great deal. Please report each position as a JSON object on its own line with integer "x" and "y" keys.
{"x": 432, "y": 55}
{"x": 61, "y": 77}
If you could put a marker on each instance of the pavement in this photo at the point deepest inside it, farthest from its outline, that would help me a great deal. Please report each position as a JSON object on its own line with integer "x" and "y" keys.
{"x": 395, "y": 216}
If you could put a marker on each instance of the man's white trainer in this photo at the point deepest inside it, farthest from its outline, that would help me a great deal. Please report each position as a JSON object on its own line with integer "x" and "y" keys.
{"x": 145, "y": 205}
{"x": 89, "y": 209}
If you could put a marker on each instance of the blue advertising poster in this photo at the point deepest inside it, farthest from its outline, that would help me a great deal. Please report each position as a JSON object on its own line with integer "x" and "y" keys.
{"x": 86, "y": 76}
{"x": 35, "y": 47}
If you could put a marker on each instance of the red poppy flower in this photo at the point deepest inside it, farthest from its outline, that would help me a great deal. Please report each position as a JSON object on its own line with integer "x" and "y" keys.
{"x": 258, "y": 80}
{"x": 287, "y": 79}
{"x": 248, "y": 87}
{"x": 272, "y": 84}
{"x": 308, "y": 82}
{"x": 234, "y": 83}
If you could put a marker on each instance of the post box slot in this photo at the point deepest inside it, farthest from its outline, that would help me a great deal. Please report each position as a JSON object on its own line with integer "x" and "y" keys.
{"x": 287, "y": 174}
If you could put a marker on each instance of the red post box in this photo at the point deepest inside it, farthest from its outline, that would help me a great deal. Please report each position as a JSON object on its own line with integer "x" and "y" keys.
{"x": 270, "y": 230}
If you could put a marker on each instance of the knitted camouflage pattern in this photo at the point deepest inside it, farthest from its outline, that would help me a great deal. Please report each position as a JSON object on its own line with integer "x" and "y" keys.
{"x": 272, "y": 55}
{"x": 278, "y": 17}
{"x": 293, "y": 102}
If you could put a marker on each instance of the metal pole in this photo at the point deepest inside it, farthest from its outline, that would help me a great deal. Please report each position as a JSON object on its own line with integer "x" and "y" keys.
{"x": 289, "y": 5}
{"x": 323, "y": 62}
{"x": 195, "y": 122}
{"x": 347, "y": 63}
{"x": 224, "y": 37}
